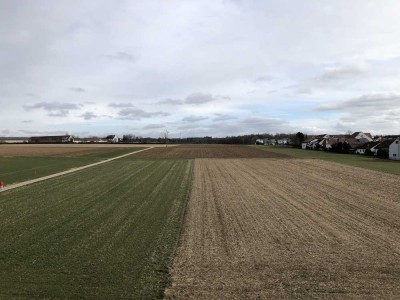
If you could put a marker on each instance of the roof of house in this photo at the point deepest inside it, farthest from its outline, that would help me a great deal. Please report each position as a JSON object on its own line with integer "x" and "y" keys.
{"x": 367, "y": 145}
{"x": 384, "y": 144}
{"x": 358, "y": 132}
{"x": 111, "y": 136}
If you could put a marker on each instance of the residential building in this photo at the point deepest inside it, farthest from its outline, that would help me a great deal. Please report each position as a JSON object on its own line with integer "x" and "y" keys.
{"x": 394, "y": 149}
{"x": 52, "y": 139}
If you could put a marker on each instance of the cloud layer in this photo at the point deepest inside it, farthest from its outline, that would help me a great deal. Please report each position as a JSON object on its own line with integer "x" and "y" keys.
{"x": 213, "y": 68}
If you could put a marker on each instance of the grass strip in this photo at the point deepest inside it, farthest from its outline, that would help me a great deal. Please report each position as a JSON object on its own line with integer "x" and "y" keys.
{"x": 362, "y": 161}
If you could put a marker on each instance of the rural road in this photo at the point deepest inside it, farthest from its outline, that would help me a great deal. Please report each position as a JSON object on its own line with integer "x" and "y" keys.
{"x": 17, "y": 185}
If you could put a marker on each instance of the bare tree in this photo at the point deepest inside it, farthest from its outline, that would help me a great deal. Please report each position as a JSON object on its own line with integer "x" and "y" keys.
{"x": 164, "y": 135}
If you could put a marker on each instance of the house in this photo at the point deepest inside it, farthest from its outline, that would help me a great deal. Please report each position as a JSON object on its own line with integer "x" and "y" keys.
{"x": 14, "y": 140}
{"x": 54, "y": 139}
{"x": 384, "y": 147}
{"x": 284, "y": 141}
{"x": 94, "y": 140}
{"x": 314, "y": 142}
{"x": 362, "y": 137}
{"x": 362, "y": 149}
{"x": 394, "y": 149}
{"x": 112, "y": 138}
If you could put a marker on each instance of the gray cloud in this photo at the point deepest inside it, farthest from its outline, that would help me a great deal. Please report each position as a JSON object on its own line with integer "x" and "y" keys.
{"x": 224, "y": 97}
{"x": 199, "y": 98}
{"x": 193, "y": 118}
{"x": 264, "y": 78}
{"x": 120, "y": 105}
{"x": 223, "y": 117}
{"x": 138, "y": 114}
{"x": 253, "y": 125}
{"x": 45, "y": 132}
{"x": 47, "y": 48}
{"x": 343, "y": 72}
{"x": 171, "y": 101}
{"x": 27, "y": 121}
{"x": 189, "y": 127}
{"x": 122, "y": 56}
{"x": 54, "y": 109}
{"x": 304, "y": 91}
{"x": 89, "y": 115}
{"x": 244, "y": 126}
{"x": 154, "y": 126}
{"x": 367, "y": 112}
{"x": 365, "y": 104}
{"x": 77, "y": 89}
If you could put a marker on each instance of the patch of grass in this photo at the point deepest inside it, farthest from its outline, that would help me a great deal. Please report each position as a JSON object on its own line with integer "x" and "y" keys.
{"x": 107, "y": 232}
{"x": 18, "y": 169}
{"x": 362, "y": 161}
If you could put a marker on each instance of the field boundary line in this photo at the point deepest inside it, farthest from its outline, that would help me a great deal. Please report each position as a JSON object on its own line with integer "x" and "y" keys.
{"x": 19, "y": 184}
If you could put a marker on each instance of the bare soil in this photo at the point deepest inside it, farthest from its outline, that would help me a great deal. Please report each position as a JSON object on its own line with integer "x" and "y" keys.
{"x": 281, "y": 229}
{"x": 208, "y": 151}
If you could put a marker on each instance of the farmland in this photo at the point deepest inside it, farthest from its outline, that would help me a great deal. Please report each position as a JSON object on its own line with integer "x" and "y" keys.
{"x": 105, "y": 232}
{"x": 257, "y": 228}
{"x": 249, "y": 222}
{"x": 19, "y": 164}
{"x": 208, "y": 151}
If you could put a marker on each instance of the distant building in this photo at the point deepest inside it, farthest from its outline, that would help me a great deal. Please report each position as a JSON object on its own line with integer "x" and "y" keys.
{"x": 362, "y": 137}
{"x": 14, "y": 140}
{"x": 394, "y": 149}
{"x": 92, "y": 140}
{"x": 269, "y": 141}
{"x": 53, "y": 139}
{"x": 112, "y": 138}
{"x": 284, "y": 141}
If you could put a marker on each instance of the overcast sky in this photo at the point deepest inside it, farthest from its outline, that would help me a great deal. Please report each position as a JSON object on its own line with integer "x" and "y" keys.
{"x": 199, "y": 68}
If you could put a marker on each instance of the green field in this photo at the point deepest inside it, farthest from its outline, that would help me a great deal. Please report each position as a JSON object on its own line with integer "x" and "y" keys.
{"x": 107, "y": 232}
{"x": 18, "y": 169}
{"x": 362, "y": 161}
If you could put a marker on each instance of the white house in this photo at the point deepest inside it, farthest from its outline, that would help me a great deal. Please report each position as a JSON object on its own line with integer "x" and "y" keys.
{"x": 259, "y": 141}
{"x": 362, "y": 137}
{"x": 112, "y": 138}
{"x": 284, "y": 141}
{"x": 394, "y": 149}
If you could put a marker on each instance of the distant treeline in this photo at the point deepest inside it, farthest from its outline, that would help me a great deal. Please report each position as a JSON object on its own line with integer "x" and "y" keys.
{"x": 240, "y": 139}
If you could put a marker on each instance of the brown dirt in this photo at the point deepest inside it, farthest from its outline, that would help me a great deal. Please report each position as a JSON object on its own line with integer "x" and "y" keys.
{"x": 282, "y": 229}
{"x": 60, "y": 150}
{"x": 208, "y": 151}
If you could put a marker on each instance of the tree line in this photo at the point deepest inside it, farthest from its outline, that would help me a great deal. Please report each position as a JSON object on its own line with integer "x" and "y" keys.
{"x": 248, "y": 139}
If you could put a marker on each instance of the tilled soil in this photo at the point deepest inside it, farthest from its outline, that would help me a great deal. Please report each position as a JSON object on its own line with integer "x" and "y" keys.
{"x": 288, "y": 229}
{"x": 208, "y": 151}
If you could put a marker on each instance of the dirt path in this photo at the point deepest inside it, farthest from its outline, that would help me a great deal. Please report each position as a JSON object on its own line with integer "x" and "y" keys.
{"x": 17, "y": 185}
{"x": 280, "y": 229}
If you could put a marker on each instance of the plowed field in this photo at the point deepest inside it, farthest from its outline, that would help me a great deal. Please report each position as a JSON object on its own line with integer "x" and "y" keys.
{"x": 208, "y": 151}
{"x": 278, "y": 229}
